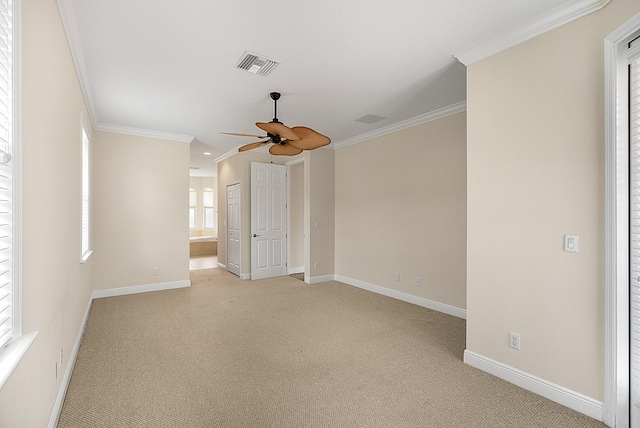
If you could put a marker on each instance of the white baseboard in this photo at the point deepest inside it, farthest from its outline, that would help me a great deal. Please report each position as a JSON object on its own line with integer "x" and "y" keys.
{"x": 318, "y": 279}
{"x": 571, "y": 399}
{"x": 122, "y": 291}
{"x": 291, "y": 271}
{"x": 71, "y": 362}
{"x": 405, "y": 297}
{"x": 222, "y": 266}
{"x": 245, "y": 276}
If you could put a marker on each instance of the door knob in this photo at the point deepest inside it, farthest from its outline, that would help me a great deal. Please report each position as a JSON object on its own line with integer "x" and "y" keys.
{"x": 255, "y": 236}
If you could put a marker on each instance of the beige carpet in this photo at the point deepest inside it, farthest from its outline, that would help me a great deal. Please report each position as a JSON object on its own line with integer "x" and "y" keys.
{"x": 281, "y": 353}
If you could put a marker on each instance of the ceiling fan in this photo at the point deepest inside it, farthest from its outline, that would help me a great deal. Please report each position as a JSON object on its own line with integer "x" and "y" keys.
{"x": 286, "y": 141}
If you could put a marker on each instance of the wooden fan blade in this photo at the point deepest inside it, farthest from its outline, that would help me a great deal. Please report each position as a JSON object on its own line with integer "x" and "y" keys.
{"x": 310, "y": 139}
{"x": 251, "y": 146}
{"x": 278, "y": 128}
{"x": 243, "y": 135}
{"x": 285, "y": 149}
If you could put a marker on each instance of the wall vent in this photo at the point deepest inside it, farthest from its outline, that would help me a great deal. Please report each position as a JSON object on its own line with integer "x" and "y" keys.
{"x": 256, "y": 64}
{"x": 370, "y": 118}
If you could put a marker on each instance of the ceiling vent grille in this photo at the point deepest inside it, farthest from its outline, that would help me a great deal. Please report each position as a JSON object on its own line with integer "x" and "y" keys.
{"x": 256, "y": 64}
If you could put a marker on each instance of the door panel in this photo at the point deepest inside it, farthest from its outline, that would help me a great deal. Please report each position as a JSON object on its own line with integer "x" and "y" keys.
{"x": 268, "y": 220}
{"x": 233, "y": 228}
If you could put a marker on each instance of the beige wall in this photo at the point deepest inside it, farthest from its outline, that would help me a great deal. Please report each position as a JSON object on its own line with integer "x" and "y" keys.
{"x": 141, "y": 199}
{"x": 535, "y": 173}
{"x": 55, "y": 286}
{"x": 401, "y": 207}
{"x": 320, "y": 208}
{"x": 296, "y": 221}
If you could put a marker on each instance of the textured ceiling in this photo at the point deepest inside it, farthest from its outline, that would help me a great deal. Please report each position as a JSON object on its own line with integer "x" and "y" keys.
{"x": 169, "y": 66}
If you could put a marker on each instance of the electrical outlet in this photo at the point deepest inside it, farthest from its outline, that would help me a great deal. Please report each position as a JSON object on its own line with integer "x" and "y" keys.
{"x": 154, "y": 271}
{"x": 418, "y": 282}
{"x": 514, "y": 341}
{"x": 316, "y": 265}
{"x": 397, "y": 276}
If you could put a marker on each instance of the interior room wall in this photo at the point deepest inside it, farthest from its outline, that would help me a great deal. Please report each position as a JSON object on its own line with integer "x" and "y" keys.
{"x": 141, "y": 216}
{"x": 320, "y": 210}
{"x": 401, "y": 208}
{"x": 535, "y": 173}
{"x": 56, "y": 287}
{"x": 296, "y": 222}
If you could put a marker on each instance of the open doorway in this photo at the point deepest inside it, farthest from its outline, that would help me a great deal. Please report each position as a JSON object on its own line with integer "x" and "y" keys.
{"x": 203, "y": 222}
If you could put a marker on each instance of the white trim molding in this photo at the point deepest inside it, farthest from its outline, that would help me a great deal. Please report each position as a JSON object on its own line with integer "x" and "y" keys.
{"x": 556, "y": 17}
{"x": 71, "y": 362}
{"x": 74, "y": 39}
{"x": 616, "y": 376}
{"x": 319, "y": 279}
{"x": 12, "y": 353}
{"x": 405, "y": 297}
{"x": 574, "y": 400}
{"x": 414, "y": 121}
{"x": 138, "y": 132}
{"x": 123, "y": 291}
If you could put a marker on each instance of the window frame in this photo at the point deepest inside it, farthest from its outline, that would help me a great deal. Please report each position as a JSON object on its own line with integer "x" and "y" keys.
{"x": 193, "y": 209}
{"x": 85, "y": 232}
{"x": 12, "y": 352}
{"x": 206, "y": 207}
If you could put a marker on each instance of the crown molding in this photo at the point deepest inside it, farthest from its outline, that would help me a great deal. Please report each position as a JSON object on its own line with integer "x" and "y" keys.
{"x": 73, "y": 40}
{"x": 556, "y": 17}
{"x": 105, "y": 127}
{"x": 417, "y": 120}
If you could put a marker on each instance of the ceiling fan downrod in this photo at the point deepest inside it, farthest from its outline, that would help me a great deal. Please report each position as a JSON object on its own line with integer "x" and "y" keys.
{"x": 275, "y": 96}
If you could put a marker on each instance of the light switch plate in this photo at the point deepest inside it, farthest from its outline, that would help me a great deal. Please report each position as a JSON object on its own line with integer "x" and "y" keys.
{"x": 571, "y": 243}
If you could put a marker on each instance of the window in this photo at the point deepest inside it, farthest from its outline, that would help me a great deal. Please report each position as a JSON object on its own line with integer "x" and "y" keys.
{"x": 192, "y": 208}
{"x": 86, "y": 190}
{"x": 210, "y": 220}
{"x": 13, "y": 344}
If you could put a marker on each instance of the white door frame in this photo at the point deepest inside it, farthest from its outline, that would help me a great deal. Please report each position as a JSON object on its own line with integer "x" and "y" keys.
{"x": 227, "y": 226}
{"x": 616, "y": 403}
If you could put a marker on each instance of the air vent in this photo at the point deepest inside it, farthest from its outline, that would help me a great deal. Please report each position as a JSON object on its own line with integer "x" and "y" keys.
{"x": 256, "y": 64}
{"x": 370, "y": 118}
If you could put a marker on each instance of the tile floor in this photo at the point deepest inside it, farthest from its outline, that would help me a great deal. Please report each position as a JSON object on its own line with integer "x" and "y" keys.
{"x": 203, "y": 262}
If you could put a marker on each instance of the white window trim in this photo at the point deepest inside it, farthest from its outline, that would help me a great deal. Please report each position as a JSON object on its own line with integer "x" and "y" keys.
{"x": 14, "y": 350}
{"x": 86, "y": 151}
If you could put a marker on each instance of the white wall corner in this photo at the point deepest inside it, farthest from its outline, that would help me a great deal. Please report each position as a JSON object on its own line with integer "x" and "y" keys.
{"x": 405, "y": 297}
{"x": 571, "y": 399}
{"x": 556, "y": 17}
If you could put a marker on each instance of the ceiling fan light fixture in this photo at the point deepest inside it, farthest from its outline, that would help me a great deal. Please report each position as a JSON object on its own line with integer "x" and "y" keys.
{"x": 256, "y": 63}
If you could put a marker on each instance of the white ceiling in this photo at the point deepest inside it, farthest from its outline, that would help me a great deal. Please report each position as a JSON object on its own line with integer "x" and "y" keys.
{"x": 168, "y": 67}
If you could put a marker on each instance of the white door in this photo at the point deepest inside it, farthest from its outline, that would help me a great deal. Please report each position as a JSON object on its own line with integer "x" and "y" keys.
{"x": 233, "y": 228}
{"x": 268, "y": 220}
{"x": 634, "y": 216}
